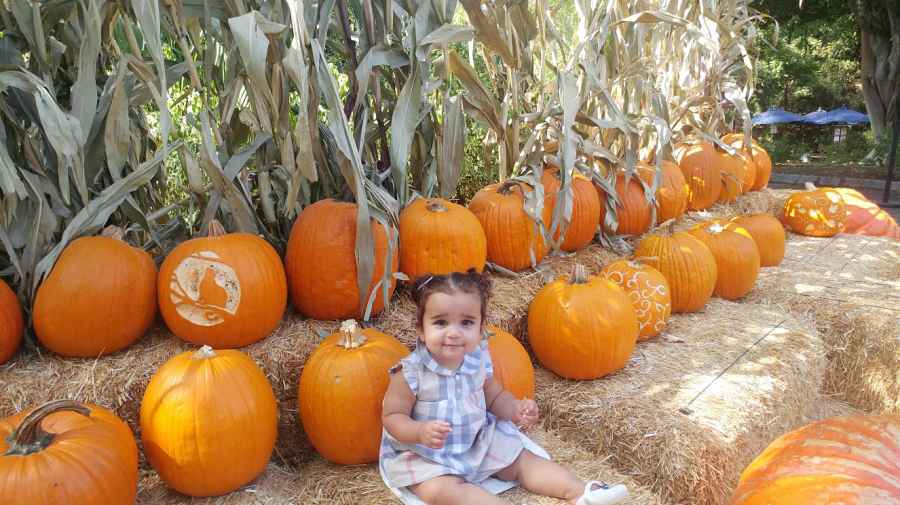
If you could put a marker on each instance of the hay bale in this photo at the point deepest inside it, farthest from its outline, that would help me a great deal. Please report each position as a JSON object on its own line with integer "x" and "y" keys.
{"x": 670, "y": 420}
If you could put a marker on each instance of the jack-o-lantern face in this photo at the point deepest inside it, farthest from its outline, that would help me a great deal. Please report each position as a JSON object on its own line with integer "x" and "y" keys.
{"x": 817, "y": 213}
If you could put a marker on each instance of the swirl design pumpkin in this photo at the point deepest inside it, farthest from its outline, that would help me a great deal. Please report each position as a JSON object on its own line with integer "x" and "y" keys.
{"x": 818, "y": 212}
{"x": 648, "y": 291}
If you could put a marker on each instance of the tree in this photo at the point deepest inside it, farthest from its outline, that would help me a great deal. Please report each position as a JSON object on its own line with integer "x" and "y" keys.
{"x": 879, "y": 26}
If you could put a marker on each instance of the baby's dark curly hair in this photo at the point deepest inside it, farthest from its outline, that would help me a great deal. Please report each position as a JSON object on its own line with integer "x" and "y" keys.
{"x": 470, "y": 281}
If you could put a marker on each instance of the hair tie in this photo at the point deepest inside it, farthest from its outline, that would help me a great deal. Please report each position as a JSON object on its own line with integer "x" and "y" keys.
{"x": 425, "y": 282}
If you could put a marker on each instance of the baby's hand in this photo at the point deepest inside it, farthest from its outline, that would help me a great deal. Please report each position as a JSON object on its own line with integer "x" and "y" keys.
{"x": 526, "y": 413}
{"x": 433, "y": 433}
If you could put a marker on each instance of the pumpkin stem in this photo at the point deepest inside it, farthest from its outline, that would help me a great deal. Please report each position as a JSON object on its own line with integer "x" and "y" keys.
{"x": 809, "y": 186}
{"x": 353, "y": 335}
{"x": 436, "y": 205}
{"x": 113, "y": 231}
{"x": 205, "y": 352}
{"x": 506, "y": 187}
{"x": 216, "y": 229}
{"x": 579, "y": 275}
{"x": 29, "y": 437}
{"x": 715, "y": 228}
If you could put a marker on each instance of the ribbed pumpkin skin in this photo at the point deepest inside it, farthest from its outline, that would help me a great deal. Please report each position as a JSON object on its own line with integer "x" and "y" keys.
{"x": 737, "y": 259}
{"x": 817, "y": 213}
{"x": 321, "y": 262}
{"x": 582, "y": 331}
{"x": 99, "y": 298}
{"x": 439, "y": 237}
{"x": 648, "y": 291}
{"x": 761, "y": 159}
{"x": 699, "y": 164}
{"x": 11, "y": 323}
{"x": 672, "y": 194}
{"x": 208, "y": 423}
{"x": 57, "y": 476}
{"x": 340, "y": 396}
{"x": 734, "y": 171}
{"x": 224, "y": 291}
{"x": 839, "y": 461}
{"x": 633, "y": 212}
{"x": 512, "y": 365}
{"x": 749, "y": 171}
{"x": 586, "y": 209}
{"x": 767, "y": 232}
{"x": 511, "y": 234}
{"x": 686, "y": 263}
{"x": 865, "y": 217}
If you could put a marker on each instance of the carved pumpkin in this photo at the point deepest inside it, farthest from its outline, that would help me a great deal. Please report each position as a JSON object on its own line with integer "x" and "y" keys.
{"x": 225, "y": 290}
{"x": 767, "y": 232}
{"x": 67, "y": 453}
{"x": 686, "y": 263}
{"x": 11, "y": 323}
{"x": 585, "y": 209}
{"x": 341, "y": 390}
{"x": 633, "y": 211}
{"x": 321, "y": 262}
{"x": 843, "y": 460}
{"x": 761, "y": 160}
{"x": 99, "y": 298}
{"x": 648, "y": 291}
{"x": 513, "y": 238}
{"x": 817, "y": 212}
{"x": 439, "y": 237}
{"x": 208, "y": 421}
{"x": 737, "y": 258}
{"x": 582, "y": 327}
{"x": 865, "y": 217}
{"x": 672, "y": 194}
{"x": 512, "y": 365}
{"x": 699, "y": 163}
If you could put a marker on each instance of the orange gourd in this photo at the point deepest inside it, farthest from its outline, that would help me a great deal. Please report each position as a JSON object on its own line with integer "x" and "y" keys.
{"x": 11, "y": 323}
{"x": 512, "y": 365}
{"x": 67, "y": 453}
{"x": 737, "y": 258}
{"x": 672, "y": 194}
{"x": 817, "y": 212}
{"x": 865, "y": 217}
{"x": 767, "y": 232}
{"x": 648, "y": 291}
{"x": 321, "y": 262}
{"x": 699, "y": 163}
{"x": 439, "y": 237}
{"x": 513, "y": 238}
{"x": 632, "y": 212}
{"x": 586, "y": 209}
{"x": 582, "y": 327}
{"x": 686, "y": 263}
{"x": 225, "y": 290}
{"x": 341, "y": 390}
{"x": 99, "y": 298}
{"x": 761, "y": 160}
{"x": 208, "y": 421}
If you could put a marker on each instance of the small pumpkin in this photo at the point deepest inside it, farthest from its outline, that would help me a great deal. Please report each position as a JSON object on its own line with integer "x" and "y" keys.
{"x": 737, "y": 258}
{"x": 321, "y": 262}
{"x": 586, "y": 209}
{"x": 341, "y": 390}
{"x": 11, "y": 323}
{"x": 767, "y": 232}
{"x": 686, "y": 263}
{"x": 582, "y": 327}
{"x": 439, "y": 237}
{"x": 67, "y": 453}
{"x": 672, "y": 194}
{"x": 760, "y": 157}
{"x": 512, "y": 365}
{"x": 633, "y": 211}
{"x": 99, "y": 297}
{"x": 816, "y": 212}
{"x": 842, "y": 460}
{"x": 648, "y": 291}
{"x": 513, "y": 238}
{"x": 699, "y": 163}
{"x": 225, "y": 290}
{"x": 865, "y": 217}
{"x": 208, "y": 421}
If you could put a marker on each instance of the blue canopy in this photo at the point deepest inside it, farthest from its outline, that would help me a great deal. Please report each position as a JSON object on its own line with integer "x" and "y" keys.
{"x": 817, "y": 117}
{"x": 844, "y": 115}
{"x": 775, "y": 116}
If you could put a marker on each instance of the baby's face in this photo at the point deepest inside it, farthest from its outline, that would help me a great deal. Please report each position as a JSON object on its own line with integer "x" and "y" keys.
{"x": 451, "y": 327}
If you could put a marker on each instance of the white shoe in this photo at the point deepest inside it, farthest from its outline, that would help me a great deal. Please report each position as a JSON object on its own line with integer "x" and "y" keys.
{"x": 600, "y": 493}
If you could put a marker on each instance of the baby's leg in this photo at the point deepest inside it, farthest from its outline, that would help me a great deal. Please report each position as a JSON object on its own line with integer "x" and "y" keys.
{"x": 542, "y": 476}
{"x": 452, "y": 490}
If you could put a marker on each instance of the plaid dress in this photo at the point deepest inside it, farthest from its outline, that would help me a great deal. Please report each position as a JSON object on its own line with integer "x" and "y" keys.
{"x": 479, "y": 444}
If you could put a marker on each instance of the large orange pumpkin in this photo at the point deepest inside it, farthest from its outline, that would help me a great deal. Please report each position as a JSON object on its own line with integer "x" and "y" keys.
{"x": 632, "y": 212}
{"x": 734, "y": 175}
{"x": 512, "y": 365}
{"x": 439, "y": 237}
{"x": 11, "y": 324}
{"x": 586, "y": 209}
{"x": 582, "y": 327}
{"x": 513, "y": 238}
{"x": 225, "y": 290}
{"x": 67, "y": 453}
{"x": 699, "y": 162}
{"x": 341, "y": 390}
{"x": 648, "y": 291}
{"x": 817, "y": 212}
{"x": 865, "y": 217}
{"x": 321, "y": 262}
{"x": 761, "y": 160}
{"x": 686, "y": 263}
{"x": 851, "y": 460}
{"x": 208, "y": 421}
{"x": 672, "y": 194}
{"x": 767, "y": 232}
{"x": 99, "y": 298}
{"x": 737, "y": 258}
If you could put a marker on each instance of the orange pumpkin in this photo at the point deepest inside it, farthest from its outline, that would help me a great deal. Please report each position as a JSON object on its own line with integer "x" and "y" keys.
{"x": 11, "y": 324}
{"x": 582, "y": 327}
{"x": 734, "y": 172}
{"x": 208, "y": 421}
{"x": 865, "y": 217}
{"x": 512, "y": 365}
{"x": 686, "y": 263}
{"x": 341, "y": 390}
{"x": 672, "y": 194}
{"x": 513, "y": 238}
{"x": 767, "y": 232}
{"x": 67, "y": 453}
{"x": 761, "y": 160}
{"x": 817, "y": 212}
{"x": 99, "y": 298}
{"x": 699, "y": 163}
{"x": 321, "y": 262}
{"x": 632, "y": 212}
{"x": 648, "y": 291}
{"x": 586, "y": 209}
{"x": 225, "y": 290}
{"x": 737, "y": 258}
{"x": 439, "y": 237}
{"x": 844, "y": 460}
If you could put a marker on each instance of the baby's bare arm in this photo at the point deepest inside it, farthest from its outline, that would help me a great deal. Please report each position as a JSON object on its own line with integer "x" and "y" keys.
{"x": 395, "y": 414}
{"x": 499, "y": 401}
